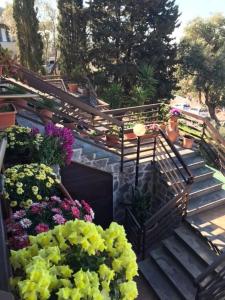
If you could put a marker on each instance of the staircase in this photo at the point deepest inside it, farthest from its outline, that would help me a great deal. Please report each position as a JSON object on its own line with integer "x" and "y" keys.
{"x": 173, "y": 266}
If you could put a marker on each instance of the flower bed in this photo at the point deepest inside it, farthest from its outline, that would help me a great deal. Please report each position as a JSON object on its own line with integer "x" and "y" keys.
{"x": 55, "y": 146}
{"x": 25, "y": 184}
{"x": 42, "y": 216}
{"x": 78, "y": 260}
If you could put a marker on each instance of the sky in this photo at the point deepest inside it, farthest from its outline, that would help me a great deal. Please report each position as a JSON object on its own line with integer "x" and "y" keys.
{"x": 189, "y": 9}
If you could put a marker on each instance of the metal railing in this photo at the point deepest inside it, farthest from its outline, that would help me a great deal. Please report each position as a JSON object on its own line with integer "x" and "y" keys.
{"x": 207, "y": 136}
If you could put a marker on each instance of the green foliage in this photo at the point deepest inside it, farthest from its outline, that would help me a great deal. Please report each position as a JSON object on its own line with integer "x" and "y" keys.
{"x": 114, "y": 95}
{"x": 164, "y": 112}
{"x": 72, "y": 35}
{"x": 29, "y": 39}
{"x": 141, "y": 205}
{"x": 201, "y": 56}
{"x": 123, "y": 35}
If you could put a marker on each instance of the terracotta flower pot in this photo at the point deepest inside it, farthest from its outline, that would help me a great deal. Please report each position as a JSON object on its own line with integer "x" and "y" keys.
{"x": 130, "y": 136}
{"x": 174, "y": 118}
{"x": 172, "y": 135}
{"x": 112, "y": 139}
{"x": 8, "y": 118}
{"x": 172, "y": 125}
{"x": 46, "y": 115}
{"x": 73, "y": 87}
{"x": 188, "y": 141}
{"x": 149, "y": 136}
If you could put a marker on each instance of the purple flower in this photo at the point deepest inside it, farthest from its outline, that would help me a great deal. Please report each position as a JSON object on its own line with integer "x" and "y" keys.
{"x": 56, "y": 210}
{"x": 35, "y": 131}
{"x": 56, "y": 199}
{"x": 65, "y": 136}
{"x": 175, "y": 112}
{"x": 25, "y": 223}
{"x": 59, "y": 219}
{"x": 19, "y": 214}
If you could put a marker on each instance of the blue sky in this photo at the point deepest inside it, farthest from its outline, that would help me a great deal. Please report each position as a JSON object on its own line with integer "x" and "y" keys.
{"x": 188, "y": 8}
{"x": 191, "y": 9}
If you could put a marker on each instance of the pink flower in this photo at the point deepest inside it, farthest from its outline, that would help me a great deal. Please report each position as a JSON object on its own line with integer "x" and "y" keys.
{"x": 41, "y": 228}
{"x": 19, "y": 214}
{"x": 88, "y": 218}
{"x": 14, "y": 228}
{"x": 92, "y": 214}
{"x": 75, "y": 212}
{"x": 56, "y": 199}
{"x": 86, "y": 206}
{"x": 65, "y": 206}
{"x": 59, "y": 219}
{"x": 36, "y": 208}
{"x": 56, "y": 210}
{"x": 25, "y": 223}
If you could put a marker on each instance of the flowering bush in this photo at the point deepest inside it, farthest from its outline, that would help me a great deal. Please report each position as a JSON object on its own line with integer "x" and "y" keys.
{"x": 21, "y": 139}
{"x": 42, "y": 216}
{"x": 152, "y": 128}
{"x": 56, "y": 147}
{"x": 77, "y": 260}
{"x": 25, "y": 184}
{"x": 174, "y": 112}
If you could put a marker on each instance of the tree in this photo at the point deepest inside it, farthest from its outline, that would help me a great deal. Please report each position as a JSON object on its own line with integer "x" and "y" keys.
{"x": 29, "y": 39}
{"x": 202, "y": 56}
{"x": 72, "y": 35}
{"x": 127, "y": 34}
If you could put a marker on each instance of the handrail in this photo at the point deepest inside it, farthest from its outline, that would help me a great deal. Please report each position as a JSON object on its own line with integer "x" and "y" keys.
{"x": 131, "y": 108}
{"x": 179, "y": 157}
{"x": 37, "y": 82}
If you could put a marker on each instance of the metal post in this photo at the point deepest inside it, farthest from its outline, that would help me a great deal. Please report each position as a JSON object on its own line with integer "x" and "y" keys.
{"x": 137, "y": 160}
{"x": 122, "y": 148}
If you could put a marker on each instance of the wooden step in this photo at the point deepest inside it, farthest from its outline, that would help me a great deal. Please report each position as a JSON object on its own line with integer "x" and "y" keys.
{"x": 196, "y": 243}
{"x": 186, "y": 257}
{"x": 175, "y": 273}
{"x": 158, "y": 281}
{"x": 205, "y": 202}
{"x": 205, "y": 187}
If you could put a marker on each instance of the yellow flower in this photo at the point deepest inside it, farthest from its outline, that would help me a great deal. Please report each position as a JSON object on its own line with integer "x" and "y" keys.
{"x": 39, "y": 197}
{"x": 35, "y": 189}
{"x": 48, "y": 184}
{"x": 19, "y": 191}
{"x": 6, "y": 195}
{"x": 19, "y": 184}
{"x": 21, "y": 175}
{"x": 13, "y": 203}
{"x": 29, "y": 202}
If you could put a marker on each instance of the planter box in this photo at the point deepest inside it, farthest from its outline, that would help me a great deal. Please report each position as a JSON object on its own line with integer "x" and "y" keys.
{"x": 8, "y": 118}
{"x": 112, "y": 139}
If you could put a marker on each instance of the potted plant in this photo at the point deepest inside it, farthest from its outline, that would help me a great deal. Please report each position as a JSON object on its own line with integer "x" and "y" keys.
{"x": 174, "y": 115}
{"x": 112, "y": 137}
{"x": 188, "y": 141}
{"x": 152, "y": 131}
{"x": 129, "y": 134}
{"x": 25, "y": 184}
{"x": 45, "y": 107}
{"x": 7, "y": 115}
{"x": 163, "y": 115}
{"x": 22, "y": 142}
{"x": 43, "y": 216}
{"x": 76, "y": 260}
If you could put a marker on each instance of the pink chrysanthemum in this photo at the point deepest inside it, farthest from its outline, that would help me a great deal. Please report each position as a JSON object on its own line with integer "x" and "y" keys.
{"x": 19, "y": 214}
{"x": 25, "y": 223}
{"x": 88, "y": 218}
{"x": 59, "y": 219}
{"x": 41, "y": 228}
{"x": 75, "y": 212}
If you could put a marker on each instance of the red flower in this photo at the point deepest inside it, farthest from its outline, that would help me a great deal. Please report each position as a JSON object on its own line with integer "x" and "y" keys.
{"x": 86, "y": 206}
{"x": 41, "y": 228}
{"x": 36, "y": 209}
{"x": 75, "y": 212}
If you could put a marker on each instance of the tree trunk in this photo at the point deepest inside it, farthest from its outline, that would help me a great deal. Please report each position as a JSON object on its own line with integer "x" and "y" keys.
{"x": 211, "y": 106}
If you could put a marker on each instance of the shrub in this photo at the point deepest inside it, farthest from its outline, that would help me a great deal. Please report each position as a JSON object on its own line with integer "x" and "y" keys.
{"x": 77, "y": 260}
{"x": 42, "y": 216}
{"x": 25, "y": 184}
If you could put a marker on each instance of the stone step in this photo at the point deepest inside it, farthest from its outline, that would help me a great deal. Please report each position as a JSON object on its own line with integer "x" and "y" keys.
{"x": 158, "y": 281}
{"x": 195, "y": 242}
{"x": 100, "y": 163}
{"x": 77, "y": 153}
{"x": 186, "y": 257}
{"x": 205, "y": 202}
{"x": 175, "y": 273}
{"x": 205, "y": 187}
